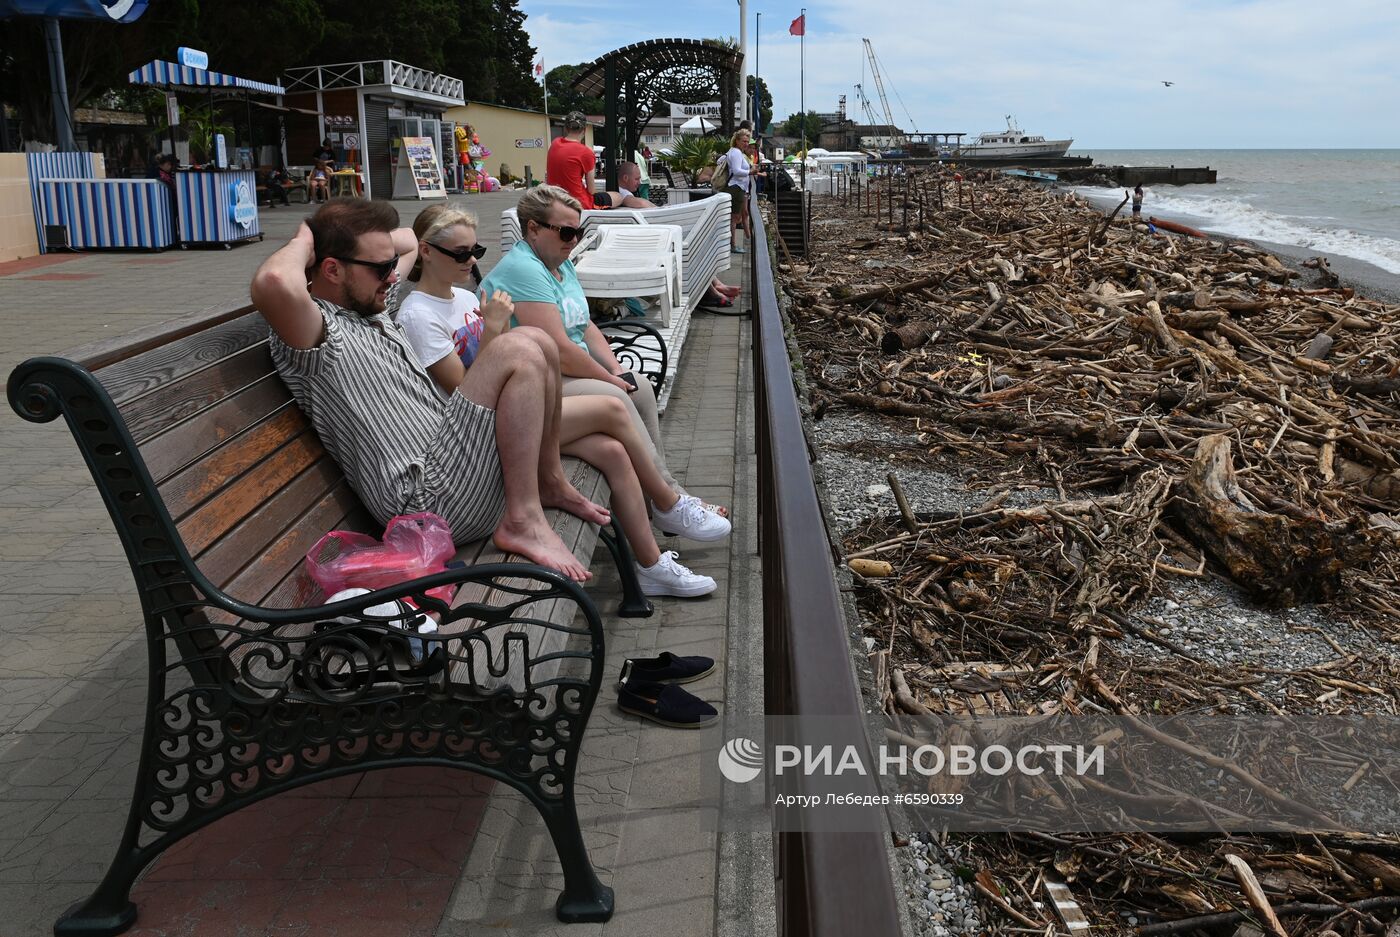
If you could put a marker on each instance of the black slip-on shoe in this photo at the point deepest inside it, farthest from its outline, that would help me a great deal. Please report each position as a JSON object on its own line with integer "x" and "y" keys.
{"x": 665, "y": 668}
{"x": 667, "y": 704}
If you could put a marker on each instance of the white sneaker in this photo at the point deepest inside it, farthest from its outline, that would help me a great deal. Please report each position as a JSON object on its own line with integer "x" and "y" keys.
{"x": 668, "y": 577}
{"x": 688, "y": 519}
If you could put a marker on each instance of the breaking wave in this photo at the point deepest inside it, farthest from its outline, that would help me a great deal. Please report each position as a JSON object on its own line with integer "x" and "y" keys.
{"x": 1238, "y": 218}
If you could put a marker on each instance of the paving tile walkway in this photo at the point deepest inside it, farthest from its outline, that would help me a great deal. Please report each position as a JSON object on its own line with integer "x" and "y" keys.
{"x": 404, "y": 851}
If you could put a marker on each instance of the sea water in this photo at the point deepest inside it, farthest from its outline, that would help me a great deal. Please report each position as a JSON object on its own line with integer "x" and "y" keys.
{"x": 1335, "y": 201}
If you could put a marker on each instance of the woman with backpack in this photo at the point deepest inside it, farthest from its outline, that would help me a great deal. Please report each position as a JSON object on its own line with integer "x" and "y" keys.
{"x": 734, "y": 175}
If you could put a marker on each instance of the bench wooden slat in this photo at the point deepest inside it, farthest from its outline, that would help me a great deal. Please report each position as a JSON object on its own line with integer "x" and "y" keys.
{"x": 276, "y": 578}
{"x": 206, "y": 431}
{"x": 190, "y": 487}
{"x": 277, "y": 520}
{"x": 130, "y": 378}
{"x": 173, "y": 402}
{"x": 236, "y": 500}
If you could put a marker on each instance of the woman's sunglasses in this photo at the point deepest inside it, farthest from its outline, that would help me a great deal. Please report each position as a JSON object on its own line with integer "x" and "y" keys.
{"x": 461, "y": 256}
{"x": 382, "y": 268}
{"x": 566, "y": 232}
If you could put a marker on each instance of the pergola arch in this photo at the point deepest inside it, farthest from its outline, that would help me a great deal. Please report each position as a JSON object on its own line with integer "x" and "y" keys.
{"x": 633, "y": 79}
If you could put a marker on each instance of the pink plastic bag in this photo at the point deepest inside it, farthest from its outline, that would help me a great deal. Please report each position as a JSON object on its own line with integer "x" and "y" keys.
{"x": 414, "y": 545}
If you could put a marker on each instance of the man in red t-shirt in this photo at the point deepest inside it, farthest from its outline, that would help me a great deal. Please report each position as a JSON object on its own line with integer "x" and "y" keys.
{"x": 571, "y": 161}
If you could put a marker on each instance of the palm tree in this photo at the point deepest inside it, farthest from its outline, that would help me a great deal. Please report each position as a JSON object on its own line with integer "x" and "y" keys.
{"x": 692, "y": 153}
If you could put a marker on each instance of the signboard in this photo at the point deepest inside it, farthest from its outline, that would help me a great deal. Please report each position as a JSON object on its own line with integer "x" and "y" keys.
{"x": 707, "y": 109}
{"x": 351, "y": 141}
{"x": 530, "y": 143}
{"x": 418, "y": 172}
{"x": 243, "y": 208}
{"x": 220, "y": 151}
{"x": 113, "y": 11}
{"x": 172, "y": 109}
{"x": 192, "y": 58}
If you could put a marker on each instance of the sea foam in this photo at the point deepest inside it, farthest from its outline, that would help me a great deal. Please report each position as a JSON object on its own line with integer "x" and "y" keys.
{"x": 1238, "y": 218}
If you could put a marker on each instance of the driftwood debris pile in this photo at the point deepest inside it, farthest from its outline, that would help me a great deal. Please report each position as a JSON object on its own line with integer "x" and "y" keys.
{"x": 1199, "y": 410}
{"x": 1037, "y": 337}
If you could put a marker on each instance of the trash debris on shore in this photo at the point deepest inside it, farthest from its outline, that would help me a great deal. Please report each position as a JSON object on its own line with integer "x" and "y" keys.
{"x": 1200, "y": 413}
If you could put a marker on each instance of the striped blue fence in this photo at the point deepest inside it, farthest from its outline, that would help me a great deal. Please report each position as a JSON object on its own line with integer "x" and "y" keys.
{"x": 98, "y": 213}
{"x": 55, "y": 166}
{"x": 205, "y": 204}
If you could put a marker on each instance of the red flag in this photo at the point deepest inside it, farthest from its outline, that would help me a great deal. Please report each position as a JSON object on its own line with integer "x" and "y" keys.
{"x": 799, "y": 26}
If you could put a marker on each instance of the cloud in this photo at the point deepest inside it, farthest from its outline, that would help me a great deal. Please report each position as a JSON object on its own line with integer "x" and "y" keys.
{"x": 1254, "y": 73}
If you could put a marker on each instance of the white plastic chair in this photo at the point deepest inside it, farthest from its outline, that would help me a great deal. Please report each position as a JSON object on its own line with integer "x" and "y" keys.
{"x": 633, "y": 260}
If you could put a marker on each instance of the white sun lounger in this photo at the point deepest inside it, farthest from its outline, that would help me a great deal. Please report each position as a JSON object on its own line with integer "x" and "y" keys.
{"x": 634, "y": 260}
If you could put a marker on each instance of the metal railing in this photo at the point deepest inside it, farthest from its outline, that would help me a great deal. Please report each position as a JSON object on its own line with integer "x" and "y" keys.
{"x": 827, "y": 884}
{"x": 373, "y": 72}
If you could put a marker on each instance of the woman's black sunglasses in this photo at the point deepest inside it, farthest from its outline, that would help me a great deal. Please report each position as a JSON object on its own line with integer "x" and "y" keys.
{"x": 567, "y": 232}
{"x": 382, "y": 268}
{"x": 462, "y": 255}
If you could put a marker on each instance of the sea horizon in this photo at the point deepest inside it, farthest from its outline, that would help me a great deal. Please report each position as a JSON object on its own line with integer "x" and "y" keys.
{"x": 1336, "y": 200}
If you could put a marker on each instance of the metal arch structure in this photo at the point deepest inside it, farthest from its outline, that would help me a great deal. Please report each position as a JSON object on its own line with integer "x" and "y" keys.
{"x": 634, "y": 80}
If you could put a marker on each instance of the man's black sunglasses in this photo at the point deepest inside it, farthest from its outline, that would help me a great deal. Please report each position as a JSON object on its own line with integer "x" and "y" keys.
{"x": 462, "y": 255}
{"x": 567, "y": 232}
{"x": 382, "y": 268}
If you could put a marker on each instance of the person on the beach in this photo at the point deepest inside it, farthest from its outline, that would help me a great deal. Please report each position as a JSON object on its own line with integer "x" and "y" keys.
{"x": 571, "y": 162}
{"x": 448, "y": 329}
{"x": 540, "y": 278}
{"x": 485, "y": 459}
{"x": 740, "y": 178}
{"x": 1137, "y": 202}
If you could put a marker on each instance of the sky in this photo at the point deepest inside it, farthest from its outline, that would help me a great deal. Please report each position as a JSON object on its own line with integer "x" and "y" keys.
{"x": 1266, "y": 73}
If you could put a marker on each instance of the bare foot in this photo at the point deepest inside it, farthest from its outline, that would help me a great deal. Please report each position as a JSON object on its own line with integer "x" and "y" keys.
{"x": 535, "y": 541}
{"x": 564, "y": 496}
{"x": 729, "y": 291}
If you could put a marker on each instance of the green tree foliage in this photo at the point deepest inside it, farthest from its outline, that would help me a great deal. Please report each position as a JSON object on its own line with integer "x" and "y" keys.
{"x": 562, "y": 96}
{"x": 764, "y": 97}
{"x": 515, "y": 58}
{"x": 792, "y": 127}
{"x": 483, "y": 42}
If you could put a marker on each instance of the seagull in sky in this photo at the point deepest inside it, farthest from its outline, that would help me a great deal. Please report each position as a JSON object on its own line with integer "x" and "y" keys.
{"x": 1168, "y": 83}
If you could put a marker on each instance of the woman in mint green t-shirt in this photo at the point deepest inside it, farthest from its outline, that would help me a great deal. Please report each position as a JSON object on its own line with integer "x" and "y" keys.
{"x": 540, "y": 278}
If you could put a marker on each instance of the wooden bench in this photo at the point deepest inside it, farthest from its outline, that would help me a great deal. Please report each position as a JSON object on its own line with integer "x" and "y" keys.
{"x": 218, "y": 486}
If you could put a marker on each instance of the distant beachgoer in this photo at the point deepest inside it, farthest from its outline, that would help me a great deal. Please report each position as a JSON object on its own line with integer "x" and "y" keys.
{"x": 318, "y": 187}
{"x": 325, "y": 152}
{"x": 570, "y": 162}
{"x": 1137, "y": 202}
{"x": 741, "y": 174}
{"x": 642, "y": 158}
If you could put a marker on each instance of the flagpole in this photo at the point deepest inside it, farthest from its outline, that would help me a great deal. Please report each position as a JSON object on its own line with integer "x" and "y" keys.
{"x": 757, "y": 95}
{"x": 544, "y": 80}
{"x": 802, "y": 92}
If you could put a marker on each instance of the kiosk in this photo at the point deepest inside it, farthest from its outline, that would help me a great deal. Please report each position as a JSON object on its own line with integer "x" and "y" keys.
{"x": 218, "y": 205}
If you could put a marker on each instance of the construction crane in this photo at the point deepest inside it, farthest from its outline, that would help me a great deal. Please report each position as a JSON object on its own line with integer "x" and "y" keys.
{"x": 880, "y": 87}
{"x": 865, "y": 106}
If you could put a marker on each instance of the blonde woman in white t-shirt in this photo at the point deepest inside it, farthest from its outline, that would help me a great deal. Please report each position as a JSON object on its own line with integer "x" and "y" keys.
{"x": 448, "y": 326}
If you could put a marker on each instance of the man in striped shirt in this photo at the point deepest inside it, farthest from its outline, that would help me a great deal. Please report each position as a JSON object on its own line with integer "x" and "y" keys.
{"x": 485, "y": 458}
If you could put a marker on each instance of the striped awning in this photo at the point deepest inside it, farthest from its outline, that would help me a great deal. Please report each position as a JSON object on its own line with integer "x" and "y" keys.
{"x": 170, "y": 75}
